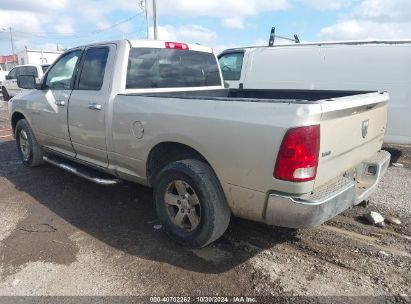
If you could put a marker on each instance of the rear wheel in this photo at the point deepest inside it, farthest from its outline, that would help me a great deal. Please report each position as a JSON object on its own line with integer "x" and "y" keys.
{"x": 190, "y": 203}
{"x": 6, "y": 96}
{"x": 30, "y": 151}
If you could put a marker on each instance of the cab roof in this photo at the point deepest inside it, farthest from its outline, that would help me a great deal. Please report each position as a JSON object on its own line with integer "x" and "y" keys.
{"x": 152, "y": 44}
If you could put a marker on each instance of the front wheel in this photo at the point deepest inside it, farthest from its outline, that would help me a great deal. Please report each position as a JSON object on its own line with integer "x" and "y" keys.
{"x": 190, "y": 203}
{"x": 29, "y": 149}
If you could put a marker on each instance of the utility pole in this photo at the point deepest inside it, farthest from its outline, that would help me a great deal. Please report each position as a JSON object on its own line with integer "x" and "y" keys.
{"x": 155, "y": 19}
{"x": 147, "y": 19}
{"x": 144, "y": 6}
{"x": 11, "y": 41}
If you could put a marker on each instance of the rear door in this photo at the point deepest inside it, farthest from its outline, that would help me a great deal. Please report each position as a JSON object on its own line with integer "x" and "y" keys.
{"x": 88, "y": 105}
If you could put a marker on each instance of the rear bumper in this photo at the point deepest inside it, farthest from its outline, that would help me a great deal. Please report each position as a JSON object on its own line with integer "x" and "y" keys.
{"x": 329, "y": 200}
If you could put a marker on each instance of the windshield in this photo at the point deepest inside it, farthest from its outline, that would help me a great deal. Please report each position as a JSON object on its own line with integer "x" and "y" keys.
{"x": 171, "y": 68}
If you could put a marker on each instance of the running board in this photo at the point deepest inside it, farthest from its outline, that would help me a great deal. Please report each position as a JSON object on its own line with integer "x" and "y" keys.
{"x": 82, "y": 171}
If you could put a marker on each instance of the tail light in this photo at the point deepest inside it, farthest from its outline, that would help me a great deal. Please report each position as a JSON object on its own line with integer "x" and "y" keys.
{"x": 177, "y": 46}
{"x": 297, "y": 159}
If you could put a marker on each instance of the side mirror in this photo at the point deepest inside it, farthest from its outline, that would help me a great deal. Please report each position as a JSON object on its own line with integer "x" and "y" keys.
{"x": 7, "y": 77}
{"x": 27, "y": 82}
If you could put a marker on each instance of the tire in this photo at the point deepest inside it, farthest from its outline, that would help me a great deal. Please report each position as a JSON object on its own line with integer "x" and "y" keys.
{"x": 29, "y": 150}
{"x": 6, "y": 96}
{"x": 201, "y": 185}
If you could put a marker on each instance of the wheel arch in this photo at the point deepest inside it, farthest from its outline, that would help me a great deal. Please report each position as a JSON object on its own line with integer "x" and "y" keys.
{"x": 15, "y": 119}
{"x": 164, "y": 153}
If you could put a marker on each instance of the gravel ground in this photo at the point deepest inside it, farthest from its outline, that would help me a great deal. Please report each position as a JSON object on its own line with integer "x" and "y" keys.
{"x": 61, "y": 235}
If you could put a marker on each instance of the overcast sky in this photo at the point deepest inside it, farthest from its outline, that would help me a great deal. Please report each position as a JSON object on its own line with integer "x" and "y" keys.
{"x": 217, "y": 23}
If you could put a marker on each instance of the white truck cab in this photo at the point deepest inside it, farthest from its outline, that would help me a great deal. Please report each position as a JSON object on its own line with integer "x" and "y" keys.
{"x": 347, "y": 65}
{"x": 9, "y": 85}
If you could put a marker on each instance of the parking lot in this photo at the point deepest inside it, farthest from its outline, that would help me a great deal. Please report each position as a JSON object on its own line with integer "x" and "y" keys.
{"x": 62, "y": 235}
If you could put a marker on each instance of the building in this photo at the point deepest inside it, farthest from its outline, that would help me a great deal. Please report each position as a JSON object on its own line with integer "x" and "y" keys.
{"x": 8, "y": 62}
{"x": 30, "y": 56}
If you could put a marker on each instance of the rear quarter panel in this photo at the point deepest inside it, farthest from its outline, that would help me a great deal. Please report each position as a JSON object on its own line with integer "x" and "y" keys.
{"x": 239, "y": 139}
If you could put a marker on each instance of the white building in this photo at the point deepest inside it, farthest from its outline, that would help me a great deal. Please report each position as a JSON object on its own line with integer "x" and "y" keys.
{"x": 30, "y": 56}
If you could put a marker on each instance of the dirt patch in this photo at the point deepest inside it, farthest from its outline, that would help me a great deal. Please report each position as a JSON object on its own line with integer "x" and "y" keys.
{"x": 37, "y": 242}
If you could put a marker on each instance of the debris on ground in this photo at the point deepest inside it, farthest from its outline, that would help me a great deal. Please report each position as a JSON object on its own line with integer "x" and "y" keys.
{"x": 374, "y": 218}
{"x": 364, "y": 204}
{"x": 38, "y": 228}
{"x": 157, "y": 227}
{"x": 397, "y": 165}
{"x": 14, "y": 283}
{"x": 393, "y": 220}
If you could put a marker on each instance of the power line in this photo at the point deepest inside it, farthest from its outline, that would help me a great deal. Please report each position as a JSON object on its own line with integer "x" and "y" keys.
{"x": 9, "y": 31}
{"x": 59, "y": 35}
{"x": 117, "y": 24}
{"x": 144, "y": 7}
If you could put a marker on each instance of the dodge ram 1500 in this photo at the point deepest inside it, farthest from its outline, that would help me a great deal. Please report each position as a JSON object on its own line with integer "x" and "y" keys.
{"x": 157, "y": 113}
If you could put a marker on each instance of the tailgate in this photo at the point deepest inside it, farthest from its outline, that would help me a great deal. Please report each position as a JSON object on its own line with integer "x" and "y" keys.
{"x": 352, "y": 130}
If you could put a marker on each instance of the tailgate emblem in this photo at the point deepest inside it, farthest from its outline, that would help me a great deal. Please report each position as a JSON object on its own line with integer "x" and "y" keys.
{"x": 365, "y": 125}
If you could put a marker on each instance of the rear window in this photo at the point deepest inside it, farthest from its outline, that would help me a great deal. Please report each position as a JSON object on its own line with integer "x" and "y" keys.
{"x": 170, "y": 68}
{"x": 28, "y": 70}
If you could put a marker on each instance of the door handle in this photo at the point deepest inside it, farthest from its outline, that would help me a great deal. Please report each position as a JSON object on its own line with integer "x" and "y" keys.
{"x": 60, "y": 103}
{"x": 94, "y": 106}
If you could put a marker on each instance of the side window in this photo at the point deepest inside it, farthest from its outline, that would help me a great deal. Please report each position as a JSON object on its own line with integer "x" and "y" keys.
{"x": 29, "y": 70}
{"x": 92, "y": 72}
{"x": 61, "y": 74}
{"x": 13, "y": 74}
{"x": 231, "y": 65}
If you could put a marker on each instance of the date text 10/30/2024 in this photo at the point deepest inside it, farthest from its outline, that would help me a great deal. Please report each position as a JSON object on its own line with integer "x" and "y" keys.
{"x": 237, "y": 299}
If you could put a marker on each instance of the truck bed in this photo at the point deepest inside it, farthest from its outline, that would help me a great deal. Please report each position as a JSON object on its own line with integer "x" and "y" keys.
{"x": 240, "y": 134}
{"x": 258, "y": 95}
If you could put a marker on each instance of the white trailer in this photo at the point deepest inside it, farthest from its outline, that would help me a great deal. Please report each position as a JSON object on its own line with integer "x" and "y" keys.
{"x": 365, "y": 65}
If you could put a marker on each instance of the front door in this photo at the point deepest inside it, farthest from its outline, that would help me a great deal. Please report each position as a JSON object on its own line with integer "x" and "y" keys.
{"x": 88, "y": 103}
{"x": 50, "y": 105}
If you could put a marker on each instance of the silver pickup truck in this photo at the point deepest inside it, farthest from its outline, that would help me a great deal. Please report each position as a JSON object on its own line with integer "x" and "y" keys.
{"x": 157, "y": 113}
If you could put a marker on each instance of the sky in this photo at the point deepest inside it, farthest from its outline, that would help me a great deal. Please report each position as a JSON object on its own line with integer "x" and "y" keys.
{"x": 221, "y": 24}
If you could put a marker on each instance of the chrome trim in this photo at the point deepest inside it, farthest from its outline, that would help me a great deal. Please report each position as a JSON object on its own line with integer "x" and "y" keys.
{"x": 382, "y": 163}
{"x": 81, "y": 162}
{"x": 94, "y": 106}
{"x": 301, "y": 211}
{"x": 86, "y": 175}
